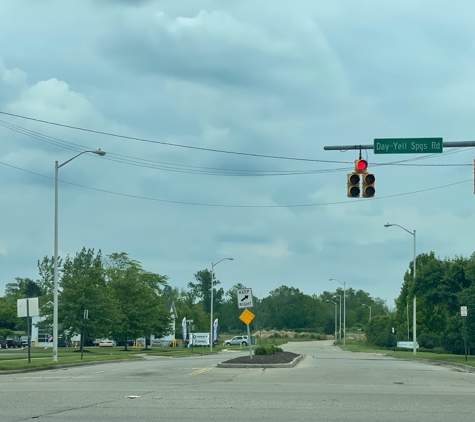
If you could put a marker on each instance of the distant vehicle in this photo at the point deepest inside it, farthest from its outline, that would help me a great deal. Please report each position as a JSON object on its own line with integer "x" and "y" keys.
{"x": 130, "y": 342}
{"x": 96, "y": 342}
{"x": 105, "y": 342}
{"x": 237, "y": 340}
{"x": 3, "y": 343}
{"x": 24, "y": 341}
{"x": 160, "y": 343}
{"x": 141, "y": 342}
{"x": 13, "y": 341}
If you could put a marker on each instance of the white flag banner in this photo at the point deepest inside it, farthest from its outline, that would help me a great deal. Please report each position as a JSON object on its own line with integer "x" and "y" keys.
{"x": 183, "y": 329}
{"x": 215, "y": 331}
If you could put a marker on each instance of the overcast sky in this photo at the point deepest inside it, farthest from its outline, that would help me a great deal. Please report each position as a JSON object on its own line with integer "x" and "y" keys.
{"x": 275, "y": 78}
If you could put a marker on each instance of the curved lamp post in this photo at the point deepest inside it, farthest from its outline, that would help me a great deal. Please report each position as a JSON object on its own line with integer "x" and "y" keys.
{"x": 55, "y": 291}
{"x": 211, "y": 339}
{"x": 414, "y": 318}
{"x": 344, "y": 308}
{"x": 364, "y": 304}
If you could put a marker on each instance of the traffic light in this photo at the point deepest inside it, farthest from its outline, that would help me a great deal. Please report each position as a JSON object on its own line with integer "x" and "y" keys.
{"x": 353, "y": 185}
{"x": 361, "y": 166}
{"x": 368, "y": 185}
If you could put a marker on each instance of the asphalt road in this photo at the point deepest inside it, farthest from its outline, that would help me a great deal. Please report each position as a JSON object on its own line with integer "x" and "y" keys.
{"x": 328, "y": 385}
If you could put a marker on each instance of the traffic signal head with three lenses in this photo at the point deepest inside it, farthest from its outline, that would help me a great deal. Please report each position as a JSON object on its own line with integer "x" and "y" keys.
{"x": 368, "y": 185}
{"x": 353, "y": 185}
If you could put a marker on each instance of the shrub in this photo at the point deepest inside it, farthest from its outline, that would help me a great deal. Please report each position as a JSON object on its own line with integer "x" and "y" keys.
{"x": 267, "y": 350}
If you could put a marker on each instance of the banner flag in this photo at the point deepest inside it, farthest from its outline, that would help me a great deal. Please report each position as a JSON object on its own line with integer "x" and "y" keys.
{"x": 183, "y": 329}
{"x": 215, "y": 331}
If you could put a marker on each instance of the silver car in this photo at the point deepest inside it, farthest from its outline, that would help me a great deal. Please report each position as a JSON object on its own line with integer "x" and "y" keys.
{"x": 237, "y": 340}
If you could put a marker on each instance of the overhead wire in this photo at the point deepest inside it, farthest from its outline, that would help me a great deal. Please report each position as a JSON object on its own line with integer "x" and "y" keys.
{"x": 235, "y": 206}
{"x": 213, "y": 171}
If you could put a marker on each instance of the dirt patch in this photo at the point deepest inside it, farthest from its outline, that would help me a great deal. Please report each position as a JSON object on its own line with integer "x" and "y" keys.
{"x": 281, "y": 357}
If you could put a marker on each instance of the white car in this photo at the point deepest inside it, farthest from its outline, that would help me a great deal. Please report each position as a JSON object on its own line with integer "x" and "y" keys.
{"x": 237, "y": 340}
{"x": 105, "y": 342}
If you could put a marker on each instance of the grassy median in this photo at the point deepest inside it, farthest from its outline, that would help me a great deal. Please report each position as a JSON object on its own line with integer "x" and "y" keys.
{"x": 361, "y": 346}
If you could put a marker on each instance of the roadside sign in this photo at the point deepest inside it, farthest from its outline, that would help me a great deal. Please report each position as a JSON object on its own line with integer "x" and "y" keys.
{"x": 408, "y": 146}
{"x": 463, "y": 311}
{"x": 407, "y": 344}
{"x": 244, "y": 298}
{"x": 247, "y": 316}
{"x": 27, "y": 307}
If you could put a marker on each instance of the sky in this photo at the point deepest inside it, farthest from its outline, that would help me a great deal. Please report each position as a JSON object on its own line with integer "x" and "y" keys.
{"x": 220, "y": 111}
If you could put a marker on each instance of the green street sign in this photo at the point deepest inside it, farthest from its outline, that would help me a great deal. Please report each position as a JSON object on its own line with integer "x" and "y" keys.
{"x": 408, "y": 146}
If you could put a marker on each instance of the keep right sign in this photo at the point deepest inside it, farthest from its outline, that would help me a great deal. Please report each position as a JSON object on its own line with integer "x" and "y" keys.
{"x": 244, "y": 298}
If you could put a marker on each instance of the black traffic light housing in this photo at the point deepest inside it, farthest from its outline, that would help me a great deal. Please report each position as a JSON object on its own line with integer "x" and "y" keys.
{"x": 353, "y": 185}
{"x": 368, "y": 185}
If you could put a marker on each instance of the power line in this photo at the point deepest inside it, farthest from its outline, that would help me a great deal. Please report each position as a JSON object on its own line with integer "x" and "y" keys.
{"x": 133, "y": 138}
{"x": 234, "y": 206}
{"x": 212, "y": 171}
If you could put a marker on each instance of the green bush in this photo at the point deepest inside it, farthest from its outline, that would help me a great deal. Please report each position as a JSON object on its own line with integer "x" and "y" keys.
{"x": 267, "y": 350}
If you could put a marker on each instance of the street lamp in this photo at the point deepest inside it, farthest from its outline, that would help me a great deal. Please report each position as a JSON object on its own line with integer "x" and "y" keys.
{"x": 344, "y": 308}
{"x": 414, "y": 319}
{"x": 212, "y": 289}
{"x": 55, "y": 287}
{"x": 335, "y": 314}
{"x": 339, "y": 330}
{"x": 364, "y": 304}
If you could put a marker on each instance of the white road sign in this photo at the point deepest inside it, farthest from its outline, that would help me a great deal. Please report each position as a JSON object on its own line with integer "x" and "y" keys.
{"x": 244, "y": 297}
{"x": 463, "y": 311}
{"x": 33, "y": 309}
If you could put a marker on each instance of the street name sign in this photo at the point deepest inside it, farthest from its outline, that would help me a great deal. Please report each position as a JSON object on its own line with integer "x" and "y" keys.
{"x": 247, "y": 316}
{"x": 244, "y": 298}
{"x": 408, "y": 146}
{"x": 463, "y": 311}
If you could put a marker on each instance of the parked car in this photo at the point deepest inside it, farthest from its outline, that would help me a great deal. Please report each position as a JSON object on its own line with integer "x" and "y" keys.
{"x": 24, "y": 341}
{"x": 3, "y": 343}
{"x": 105, "y": 342}
{"x": 64, "y": 342}
{"x": 122, "y": 342}
{"x": 157, "y": 342}
{"x": 237, "y": 340}
{"x": 96, "y": 342}
{"x": 13, "y": 341}
{"x": 141, "y": 342}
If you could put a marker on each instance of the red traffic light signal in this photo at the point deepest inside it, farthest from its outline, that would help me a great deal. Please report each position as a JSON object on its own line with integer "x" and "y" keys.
{"x": 361, "y": 166}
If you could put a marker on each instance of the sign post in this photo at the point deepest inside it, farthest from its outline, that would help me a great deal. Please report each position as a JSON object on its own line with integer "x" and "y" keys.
{"x": 244, "y": 299}
{"x": 247, "y": 316}
{"x": 83, "y": 335}
{"x": 463, "y": 314}
{"x": 26, "y": 308}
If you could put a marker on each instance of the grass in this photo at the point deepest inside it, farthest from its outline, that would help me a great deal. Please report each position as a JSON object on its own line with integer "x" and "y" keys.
{"x": 361, "y": 346}
{"x": 41, "y": 357}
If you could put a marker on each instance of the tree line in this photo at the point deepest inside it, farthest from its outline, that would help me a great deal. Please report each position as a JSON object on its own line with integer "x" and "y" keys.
{"x": 125, "y": 301}
{"x": 441, "y": 287}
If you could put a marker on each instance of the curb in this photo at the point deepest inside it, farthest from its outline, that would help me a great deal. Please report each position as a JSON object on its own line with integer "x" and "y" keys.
{"x": 465, "y": 368}
{"x": 64, "y": 366}
{"x": 260, "y": 365}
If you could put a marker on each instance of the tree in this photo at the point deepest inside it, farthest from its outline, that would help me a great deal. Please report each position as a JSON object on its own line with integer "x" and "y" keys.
{"x": 141, "y": 308}
{"x": 83, "y": 287}
{"x": 202, "y": 290}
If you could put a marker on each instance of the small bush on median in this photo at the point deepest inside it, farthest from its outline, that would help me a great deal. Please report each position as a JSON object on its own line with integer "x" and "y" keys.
{"x": 267, "y": 350}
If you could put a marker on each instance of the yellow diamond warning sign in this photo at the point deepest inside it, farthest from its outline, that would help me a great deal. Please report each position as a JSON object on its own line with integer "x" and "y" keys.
{"x": 247, "y": 316}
